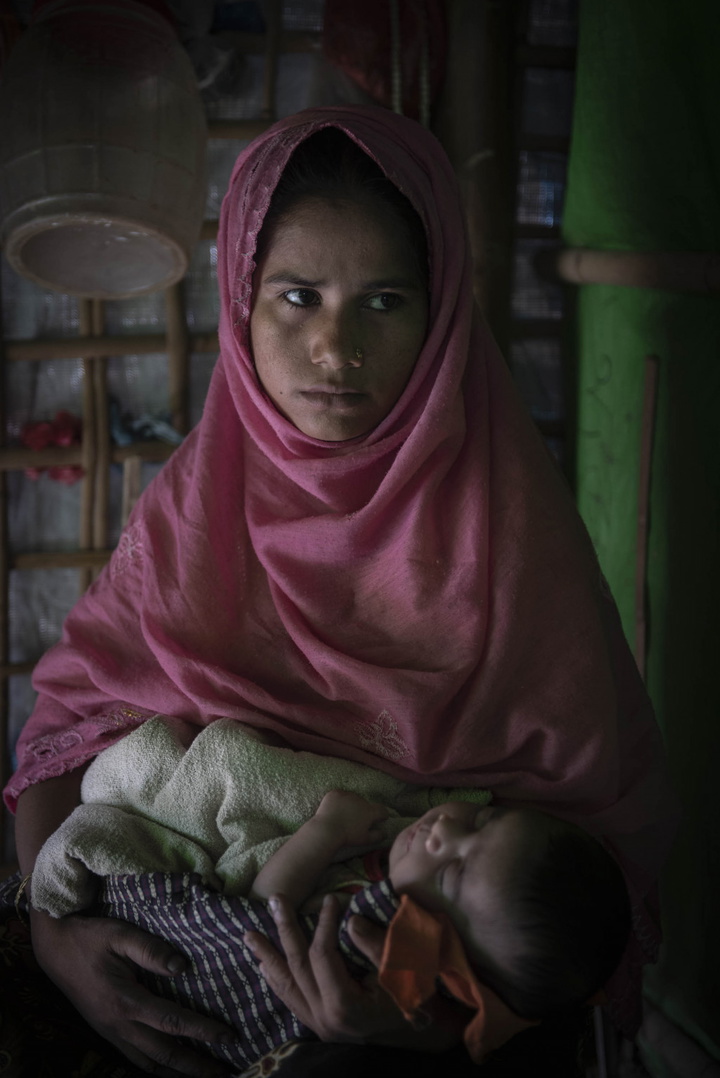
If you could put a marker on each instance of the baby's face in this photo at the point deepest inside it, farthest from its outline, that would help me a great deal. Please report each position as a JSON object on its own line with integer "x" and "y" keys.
{"x": 458, "y": 859}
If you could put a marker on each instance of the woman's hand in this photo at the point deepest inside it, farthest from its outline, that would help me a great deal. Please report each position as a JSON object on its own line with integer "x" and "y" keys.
{"x": 93, "y": 961}
{"x": 313, "y": 982}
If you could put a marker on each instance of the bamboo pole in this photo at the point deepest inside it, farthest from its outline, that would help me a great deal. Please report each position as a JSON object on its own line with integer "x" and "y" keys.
{"x": 14, "y": 670}
{"x": 424, "y": 109}
{"x": 102, "y": 438}
{"x": 178, "y": 357}
{"x": 290, "y": 41}
{"x": 17, "y": 458}
{"x": 60, "y": 559}
{"x": 396, "y": 84}
{"x": 131, "y": 487}
{"x": 238, "y": 129}
{"x": 474, "y": 119}
{"x": 673, "y": 271}
{"x": 138, "y": 344}
{"x": 5, "y": 755}
{"x": 647, "y": 436}
{"x": 273, "y": 22}
{"x": 209, "y": 229}
{"x": 88, "y": 444}
{"x": 531, "y": 328}
{"x": 151, "y": 452}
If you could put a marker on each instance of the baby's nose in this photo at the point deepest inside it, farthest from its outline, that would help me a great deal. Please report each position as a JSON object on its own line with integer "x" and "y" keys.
{"x": 442, "y": 831}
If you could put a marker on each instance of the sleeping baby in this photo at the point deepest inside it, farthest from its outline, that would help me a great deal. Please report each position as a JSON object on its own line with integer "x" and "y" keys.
{"x": 523, "y": 915}
{"x": 528, "y": 914}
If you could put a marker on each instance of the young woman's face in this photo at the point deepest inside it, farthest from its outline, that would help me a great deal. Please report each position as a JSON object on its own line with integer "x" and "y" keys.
{"x": 339, "y": 317}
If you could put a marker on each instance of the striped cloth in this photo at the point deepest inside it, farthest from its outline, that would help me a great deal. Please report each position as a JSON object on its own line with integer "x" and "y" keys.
{"x": 222, "y": 978}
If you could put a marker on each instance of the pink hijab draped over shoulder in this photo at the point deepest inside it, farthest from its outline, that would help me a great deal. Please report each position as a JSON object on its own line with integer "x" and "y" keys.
{"x": 424, "y": 599}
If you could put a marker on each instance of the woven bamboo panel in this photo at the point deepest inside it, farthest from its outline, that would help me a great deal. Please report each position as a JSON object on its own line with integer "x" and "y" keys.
{"x": 97, "y": 452}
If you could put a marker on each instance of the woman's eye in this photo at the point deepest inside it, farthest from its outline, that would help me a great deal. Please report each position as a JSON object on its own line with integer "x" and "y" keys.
{"x": 300, "y": 297}
{"x": 384, "y": 301}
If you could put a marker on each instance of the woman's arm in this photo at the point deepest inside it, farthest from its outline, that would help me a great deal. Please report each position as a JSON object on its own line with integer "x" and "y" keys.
{"x": 313, "y": 982}
{"x": 93, "y": 960}
{"x": 342, "y": 819}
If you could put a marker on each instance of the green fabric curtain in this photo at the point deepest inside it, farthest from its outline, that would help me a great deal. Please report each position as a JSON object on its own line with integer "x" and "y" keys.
{"x": 645, "y": 175}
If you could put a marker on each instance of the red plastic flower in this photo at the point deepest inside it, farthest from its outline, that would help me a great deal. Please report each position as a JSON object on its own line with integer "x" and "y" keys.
{"x": 67, "y": 429}
{"x": 64, "y": 431}
{"x": 37, "y": 435}
{"x": 67, "y": 474}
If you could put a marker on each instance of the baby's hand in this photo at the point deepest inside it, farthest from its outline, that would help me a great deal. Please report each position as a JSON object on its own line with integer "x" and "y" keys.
{"x": 355, "y": 821}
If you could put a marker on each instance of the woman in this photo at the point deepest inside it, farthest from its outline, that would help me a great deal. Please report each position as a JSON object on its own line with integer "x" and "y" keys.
{"x": 363, "y": 548}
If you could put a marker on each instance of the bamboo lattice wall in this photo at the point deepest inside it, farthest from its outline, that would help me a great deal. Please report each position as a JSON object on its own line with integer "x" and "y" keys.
{"x": 96, "y": 453}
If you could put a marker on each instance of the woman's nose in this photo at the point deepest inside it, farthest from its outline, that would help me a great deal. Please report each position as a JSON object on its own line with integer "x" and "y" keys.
{"x": 336, "y": 343}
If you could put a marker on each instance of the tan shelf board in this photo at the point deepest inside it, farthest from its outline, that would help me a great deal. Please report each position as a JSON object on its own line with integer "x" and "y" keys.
{"x": 131, "y": 344}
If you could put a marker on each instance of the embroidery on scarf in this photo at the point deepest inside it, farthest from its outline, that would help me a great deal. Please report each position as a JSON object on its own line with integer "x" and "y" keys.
{"x": 383, "y": 738}
{"x": 121, "y": 717}
{"x": 43, "y": 748}
{"x": 128, "y": 552}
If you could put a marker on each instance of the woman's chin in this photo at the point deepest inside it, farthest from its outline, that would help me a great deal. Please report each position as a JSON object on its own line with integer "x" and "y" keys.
{"x": 334, "y": 427}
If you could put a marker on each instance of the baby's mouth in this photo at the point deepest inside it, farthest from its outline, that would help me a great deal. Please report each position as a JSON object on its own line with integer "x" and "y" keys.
{"x": 412, "y": 833}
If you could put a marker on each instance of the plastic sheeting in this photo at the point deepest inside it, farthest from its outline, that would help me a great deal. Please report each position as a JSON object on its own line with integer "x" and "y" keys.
{"x": 644, "y": 175}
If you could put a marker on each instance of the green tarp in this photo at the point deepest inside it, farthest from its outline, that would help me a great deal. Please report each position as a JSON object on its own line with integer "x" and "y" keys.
{"x": 645, "y": 175}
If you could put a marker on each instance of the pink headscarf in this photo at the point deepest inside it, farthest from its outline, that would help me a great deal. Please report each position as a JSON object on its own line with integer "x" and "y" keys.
{"x": 424, "y": 599}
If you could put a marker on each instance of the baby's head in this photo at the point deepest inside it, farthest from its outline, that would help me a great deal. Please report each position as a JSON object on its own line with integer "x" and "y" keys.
{"x": 541, "y": 907}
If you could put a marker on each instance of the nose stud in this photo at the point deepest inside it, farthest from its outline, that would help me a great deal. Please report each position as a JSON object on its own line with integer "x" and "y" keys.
{"x": 358, "y": 353}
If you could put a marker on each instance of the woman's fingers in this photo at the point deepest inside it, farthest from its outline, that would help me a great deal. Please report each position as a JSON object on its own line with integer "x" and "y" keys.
{"x": 160, "y": 1054}
{"x": 290, "y": 975}
{"x": 305, "y": 978}
{"x": 328, "y": 967}
{"x": 292, "y": 938}
{"x": 313, "y": 981}
{"x": 369, "y": 938}
{"x": 134, "y": 945}
{"x": 313, "y": 965}
{"x": 147, "y": 1012}
{"x": 149, "y": 952}
{"x": 94, "y": 961}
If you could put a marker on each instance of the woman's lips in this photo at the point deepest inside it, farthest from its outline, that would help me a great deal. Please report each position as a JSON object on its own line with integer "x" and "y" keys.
{"x": 333, "y": 397}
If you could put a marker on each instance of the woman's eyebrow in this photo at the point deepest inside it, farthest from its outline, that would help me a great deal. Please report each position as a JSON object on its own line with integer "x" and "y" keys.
{"x": 288, "y": 277}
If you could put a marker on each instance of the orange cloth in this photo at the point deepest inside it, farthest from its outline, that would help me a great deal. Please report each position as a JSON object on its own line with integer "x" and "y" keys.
{"x": 421, "y": 946}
